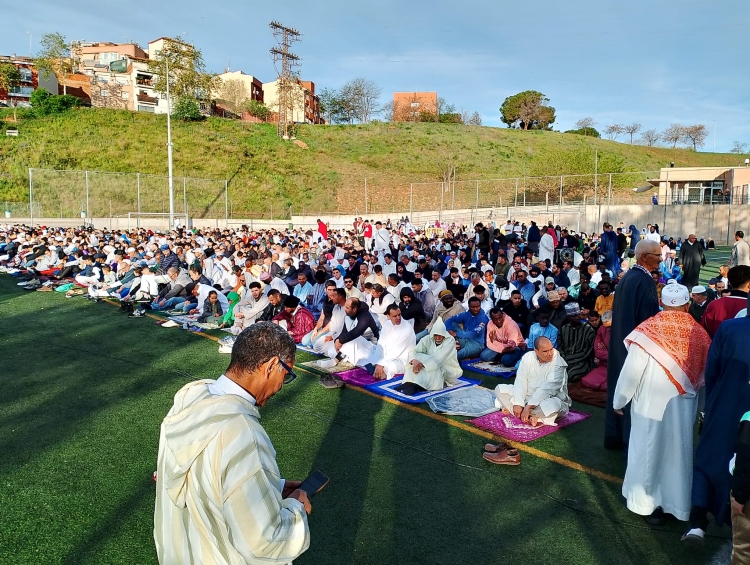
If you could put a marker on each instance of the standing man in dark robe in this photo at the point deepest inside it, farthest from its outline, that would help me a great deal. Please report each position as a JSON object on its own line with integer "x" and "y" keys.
{"x": 692, "y": 259}
{"x": 534, "y": 236}
{"x": 727, "y": 399}
{"x": 635, "y": 302}
{"x": 608, "y": 246}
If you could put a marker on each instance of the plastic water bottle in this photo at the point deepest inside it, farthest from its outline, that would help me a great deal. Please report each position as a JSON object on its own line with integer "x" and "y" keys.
{"x": 185, "y": 326}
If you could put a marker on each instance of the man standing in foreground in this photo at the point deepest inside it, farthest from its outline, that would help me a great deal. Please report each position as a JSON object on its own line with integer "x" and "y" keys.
{"x": 661, "y": 378}
{"x": 740, "y": 251}
{"x": 219, "y": 495}
{"x": 635, "y": 302}
{"x": 727, "y": 399}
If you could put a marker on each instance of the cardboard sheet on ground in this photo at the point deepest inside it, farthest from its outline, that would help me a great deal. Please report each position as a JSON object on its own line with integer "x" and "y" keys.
{"x": 186, "y": 319}
{"x": 473, "y": 401}
{"x": 487, "y": 368}
{"x": 510, "y": 427}
{"x": 338, "y": 368}
{"x": 387, "y": 388}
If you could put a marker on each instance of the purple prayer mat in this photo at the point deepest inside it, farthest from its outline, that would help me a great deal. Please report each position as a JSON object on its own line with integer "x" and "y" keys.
{"x": 510, "y": 427}
{"x": 357, "y": 377}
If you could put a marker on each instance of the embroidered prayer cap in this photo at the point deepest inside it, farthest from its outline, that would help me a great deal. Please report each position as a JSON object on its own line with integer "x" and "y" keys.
{"x": 572, "y": 309}
{"x": 265, "y": 276}
{"x": 674, "y": 294}
{"x": 699, "y": 290}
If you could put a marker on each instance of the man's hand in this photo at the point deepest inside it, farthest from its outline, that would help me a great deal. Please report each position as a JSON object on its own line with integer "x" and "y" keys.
{"x": 416, "y": 366}
{"x": 379, "y": 372}
{"x": 517, "y": 410}
{"x": 451, "y": 332}
{"x": 301, "y": 495}
{"x": 737, "y": 508}
{"x": 314, "y": 333}
{"x": 162, "y": 302}
{"x": 526, "y": 413}
{"x": 492, "y": 337}
{"x": 193, "y": 311}
{"x": 337, "y": 345}
{"x": 239, "y": 315}
{"x": 522, "y": 346}
{"x": 327, "y": 339}
{"x": 289, "y": 488}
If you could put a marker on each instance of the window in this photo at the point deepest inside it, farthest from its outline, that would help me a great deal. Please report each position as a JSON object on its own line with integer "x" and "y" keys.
{"x": 145, "y": 108}
{"x": 26, "y": 74}
{"x": 122, "y": 80}
{"x": 103, "y": 93}
{"x": 102, "y": 78}
{"x": 21, "y": 90}
{"x": 106, "y": 58}
{"x": 125, "y": 95}
{"x": 415, "y": 104}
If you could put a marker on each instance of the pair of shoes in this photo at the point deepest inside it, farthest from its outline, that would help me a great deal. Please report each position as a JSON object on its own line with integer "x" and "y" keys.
{"x": 45, "y": 289}
{"x": 508, "y": 456}
{"x": 496, "y": 447}
{"x": 137, "y": 314}
{"x": 330, "y": 381}
{"x": 32, "y": 284}
{"x": 656, "y": 518}
{"x": 694, "y": 537}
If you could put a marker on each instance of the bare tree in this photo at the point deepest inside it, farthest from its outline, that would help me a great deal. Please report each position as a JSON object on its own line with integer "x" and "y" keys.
{"x": 696, "y": 135}
{"x": 585, "y": 123}
{"x": 474, "y": 120}
{"x": 234, "y": 94}
{"x": 739, "y": 147}
{"x": 673, "y": 134}
{"x": 389, "y": 111}
{"x": 362, "y": 95}
{"x": 650, "y": 137}
{"x": 612, "y": 131}
{"x": 632, "y": 129}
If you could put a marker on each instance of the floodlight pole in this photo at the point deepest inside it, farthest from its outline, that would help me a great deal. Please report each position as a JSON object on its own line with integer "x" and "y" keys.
{"x": 169, "y": 149}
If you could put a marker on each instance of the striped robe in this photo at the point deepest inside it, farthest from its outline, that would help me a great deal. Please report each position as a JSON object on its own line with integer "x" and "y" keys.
{"x": 218, "y": 490}
{"x": 576, "y": 345}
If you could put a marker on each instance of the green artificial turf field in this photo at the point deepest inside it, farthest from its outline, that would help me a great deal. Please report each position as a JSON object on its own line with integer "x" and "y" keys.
{"x": 84, "y": 391}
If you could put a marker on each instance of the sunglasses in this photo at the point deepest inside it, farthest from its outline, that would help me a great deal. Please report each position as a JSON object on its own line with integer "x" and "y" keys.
{"x": 290, "y": 375}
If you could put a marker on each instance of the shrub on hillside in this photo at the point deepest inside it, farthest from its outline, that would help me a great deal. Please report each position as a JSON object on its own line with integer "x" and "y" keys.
{"x": 589, "y": 132}
{"x": 187, "y": 110}
{"x": 45, "y": 104}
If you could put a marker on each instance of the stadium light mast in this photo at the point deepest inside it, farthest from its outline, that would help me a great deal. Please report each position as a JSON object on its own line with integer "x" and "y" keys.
{"x": 169, "y": 149}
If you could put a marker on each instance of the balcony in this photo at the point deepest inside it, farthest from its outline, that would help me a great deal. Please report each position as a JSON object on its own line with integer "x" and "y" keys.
{"x": 145, "y": 81}
{"x": 143, "y": 97}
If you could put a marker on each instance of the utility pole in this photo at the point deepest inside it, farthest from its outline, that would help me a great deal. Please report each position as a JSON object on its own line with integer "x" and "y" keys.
{"x": 285, "y": 36}
{"x": 169, "y": 148}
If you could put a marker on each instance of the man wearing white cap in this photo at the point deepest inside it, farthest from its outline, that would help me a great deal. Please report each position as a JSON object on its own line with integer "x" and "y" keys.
{"x": 662, "y": 374}
{"x": 700, "y": 300}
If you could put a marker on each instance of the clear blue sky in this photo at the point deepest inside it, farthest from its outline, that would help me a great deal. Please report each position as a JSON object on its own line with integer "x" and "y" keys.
{"x": 655, "y": 62}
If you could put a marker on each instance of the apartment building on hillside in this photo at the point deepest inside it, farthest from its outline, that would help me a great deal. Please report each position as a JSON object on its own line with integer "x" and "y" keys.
{"x": 306, "y": 109}
{"x": 414, "y": 106}
{"x": 253, "y": 86}
{"x": 31, "y": 79}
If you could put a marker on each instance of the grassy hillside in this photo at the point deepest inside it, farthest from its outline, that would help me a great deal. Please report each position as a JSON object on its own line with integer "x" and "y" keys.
{"x": 264, "y": 172}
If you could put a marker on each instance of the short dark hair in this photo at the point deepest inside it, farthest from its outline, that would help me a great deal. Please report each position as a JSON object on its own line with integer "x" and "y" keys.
{"x": 390, "y": 308}
{"x": 254, "y": 284}
{"x": 330, "y": 282}
{"x": 212, "y": 292}
{"x": 259, "y": 343}
{"x": 474, "y": 299}
{"x": 341, "y": 292}
{"x": 274, "y": 292}
{"x": 495, "y": 310}
{"x": 738, "y": 276}
{"x": 739, "y": 233}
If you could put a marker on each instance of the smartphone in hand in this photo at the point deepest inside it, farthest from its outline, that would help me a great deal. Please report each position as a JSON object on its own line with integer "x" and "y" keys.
{"x": 314, "y": 483}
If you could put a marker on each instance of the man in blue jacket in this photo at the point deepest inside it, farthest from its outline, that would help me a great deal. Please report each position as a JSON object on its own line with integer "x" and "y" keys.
{"x": 469, "y": 329}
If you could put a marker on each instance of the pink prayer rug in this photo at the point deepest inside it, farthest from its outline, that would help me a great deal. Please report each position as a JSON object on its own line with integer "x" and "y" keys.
{"x": 510, "y": 427}
{"x": 357, "y": 377}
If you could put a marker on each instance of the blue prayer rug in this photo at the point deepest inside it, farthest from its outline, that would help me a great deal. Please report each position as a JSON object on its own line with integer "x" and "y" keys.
{"x": 487, "y": 368}
{"x": 387, "y": 388}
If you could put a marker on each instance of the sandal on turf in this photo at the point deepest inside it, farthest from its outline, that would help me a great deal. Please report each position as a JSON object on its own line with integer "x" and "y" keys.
{"x": 502, "y": 458}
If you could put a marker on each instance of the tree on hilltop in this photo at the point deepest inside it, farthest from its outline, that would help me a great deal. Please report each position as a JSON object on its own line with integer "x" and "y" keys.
{"x": 584, "y": 125}
{"x": 588, "y": 132}
{"x": 234, "y": 94}
{"x": 613, "y": 130}
{"x": 649, "y": 138}
{"x": 632, "y": 129}
{"x": 695, "y": 135}
{"x": 528, "y": 110}
{"x": 739, "y": 147}
{"x": 673, "y": 134}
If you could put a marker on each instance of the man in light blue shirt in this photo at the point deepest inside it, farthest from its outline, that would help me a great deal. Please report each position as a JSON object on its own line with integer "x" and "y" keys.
{"x": 542, "y": 329}
{"x": 470, "y": 337}
{"x": 303, "y": 289}
{"x": 526, "y": 289}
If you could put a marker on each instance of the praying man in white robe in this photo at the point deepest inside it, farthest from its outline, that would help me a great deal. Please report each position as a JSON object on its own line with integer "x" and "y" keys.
{"x": 433, "y": 363}
{"x": 396, "y": 341}
{"x": 660, "y": 379}
{"x": 539, "y": 394}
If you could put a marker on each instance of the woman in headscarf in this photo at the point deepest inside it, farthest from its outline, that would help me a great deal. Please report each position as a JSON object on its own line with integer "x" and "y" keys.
{"x": 635, "y": 236}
